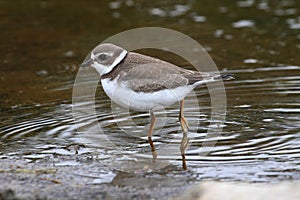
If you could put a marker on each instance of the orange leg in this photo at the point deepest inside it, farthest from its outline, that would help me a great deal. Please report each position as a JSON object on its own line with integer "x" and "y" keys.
{"x": 185, "y": 140}
{"x": 153, "y": 120}
{"x": 183, "y": 122}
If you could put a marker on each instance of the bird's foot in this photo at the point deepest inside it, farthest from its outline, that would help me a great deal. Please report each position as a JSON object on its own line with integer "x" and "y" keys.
{"x": 75, "y": 147}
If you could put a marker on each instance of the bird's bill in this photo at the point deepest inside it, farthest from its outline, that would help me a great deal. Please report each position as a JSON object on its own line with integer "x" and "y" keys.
{"x": 88, "y": 61}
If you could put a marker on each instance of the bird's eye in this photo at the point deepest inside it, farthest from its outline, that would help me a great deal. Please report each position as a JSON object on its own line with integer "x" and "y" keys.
{"x": 102, "y": 57}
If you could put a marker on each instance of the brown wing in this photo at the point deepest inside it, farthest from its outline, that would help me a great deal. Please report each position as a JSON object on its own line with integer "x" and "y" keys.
{"x": 153, "y": 77}
{"x": 148, "y": 74}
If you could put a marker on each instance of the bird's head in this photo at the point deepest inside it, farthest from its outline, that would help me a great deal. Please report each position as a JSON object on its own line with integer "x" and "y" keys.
{"x": 104, "y": 58}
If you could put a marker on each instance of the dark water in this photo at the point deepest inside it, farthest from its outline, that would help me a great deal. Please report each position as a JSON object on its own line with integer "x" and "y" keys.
{"x": 43, "y": 43}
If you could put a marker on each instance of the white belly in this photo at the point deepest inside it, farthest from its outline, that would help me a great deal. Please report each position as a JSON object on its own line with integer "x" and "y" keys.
{"x": 141, "y": 101}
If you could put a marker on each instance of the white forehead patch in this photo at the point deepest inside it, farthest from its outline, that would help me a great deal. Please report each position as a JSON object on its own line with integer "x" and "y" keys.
{"x": 93, "y": 56}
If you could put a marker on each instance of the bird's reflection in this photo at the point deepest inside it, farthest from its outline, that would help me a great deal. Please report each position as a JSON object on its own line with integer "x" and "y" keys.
{"x": 183, "y": 146}
{"x": 154, "y": 154}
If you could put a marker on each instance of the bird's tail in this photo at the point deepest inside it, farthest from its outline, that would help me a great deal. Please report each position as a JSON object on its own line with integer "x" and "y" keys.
{"x": 224, "y": 77}
{"x": 214, "y": 78}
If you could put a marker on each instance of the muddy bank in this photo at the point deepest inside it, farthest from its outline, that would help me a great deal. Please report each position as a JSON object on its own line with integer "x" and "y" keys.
{"x": 73, "y": 177}
{"x": 70, "y": 177}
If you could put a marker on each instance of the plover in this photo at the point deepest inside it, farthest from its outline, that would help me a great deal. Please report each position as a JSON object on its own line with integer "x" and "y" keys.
{"x": 145, "y": 83}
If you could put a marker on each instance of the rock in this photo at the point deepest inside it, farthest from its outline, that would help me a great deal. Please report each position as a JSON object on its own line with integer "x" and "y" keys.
{"x": 242, "y": 191}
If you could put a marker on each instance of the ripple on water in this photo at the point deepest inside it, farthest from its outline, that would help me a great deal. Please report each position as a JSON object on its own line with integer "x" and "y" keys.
{"x": 259, "y": 142}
